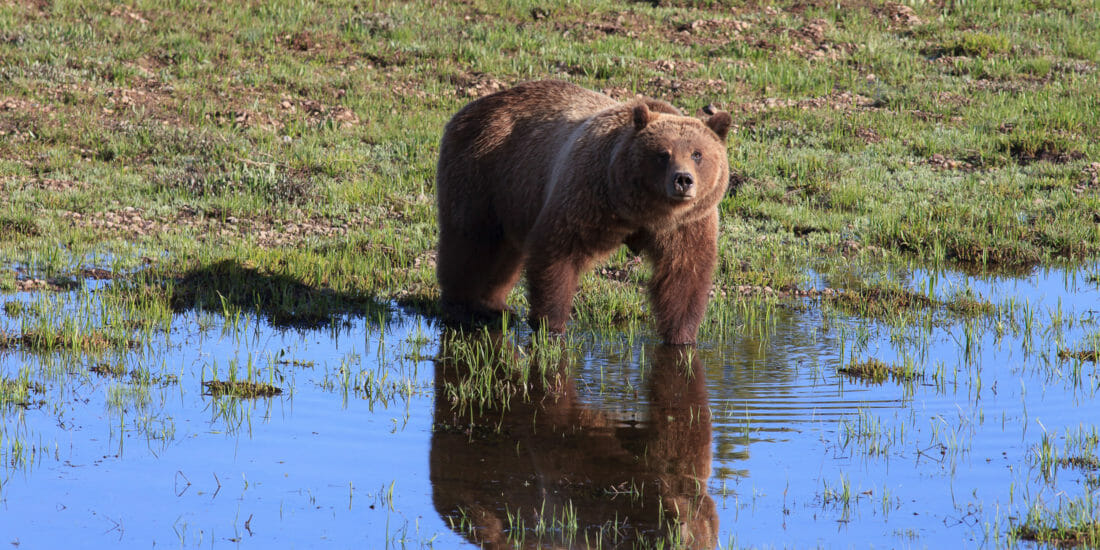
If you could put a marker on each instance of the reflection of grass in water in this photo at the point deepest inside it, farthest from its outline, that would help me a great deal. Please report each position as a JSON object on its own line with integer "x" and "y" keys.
{"x": 1080, "y": 355}
{"x": 1081, "y": 462}
{"x": 240, "y": 388}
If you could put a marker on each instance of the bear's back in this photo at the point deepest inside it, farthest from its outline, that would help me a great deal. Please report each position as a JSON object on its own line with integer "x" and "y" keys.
{"x": 502, "y": 148}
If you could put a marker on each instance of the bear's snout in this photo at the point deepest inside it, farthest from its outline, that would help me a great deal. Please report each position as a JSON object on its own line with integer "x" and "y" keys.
{"x": 683, "y": 185}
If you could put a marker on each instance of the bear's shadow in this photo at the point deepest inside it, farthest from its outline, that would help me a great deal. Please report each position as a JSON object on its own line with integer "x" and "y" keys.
{"x": 282, "y": 300}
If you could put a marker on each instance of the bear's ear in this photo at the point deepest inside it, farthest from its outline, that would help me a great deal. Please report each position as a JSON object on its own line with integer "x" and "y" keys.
{"x": 642, "y": 116}
{"x": 720, "y": 123}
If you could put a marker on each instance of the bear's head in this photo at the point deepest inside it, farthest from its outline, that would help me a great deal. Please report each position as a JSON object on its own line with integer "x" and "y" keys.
{"x": 681, "y": 159}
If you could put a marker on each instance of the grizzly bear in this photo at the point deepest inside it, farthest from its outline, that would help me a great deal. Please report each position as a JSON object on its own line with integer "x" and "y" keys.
{"x": 550, "y": 177}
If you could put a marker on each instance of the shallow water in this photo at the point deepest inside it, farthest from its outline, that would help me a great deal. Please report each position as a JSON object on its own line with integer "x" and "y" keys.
{"x": 754, "y": 442}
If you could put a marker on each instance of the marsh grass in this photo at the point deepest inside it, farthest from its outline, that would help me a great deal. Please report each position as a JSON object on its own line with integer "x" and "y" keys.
{"x": 881, "y": 301}
{"x": 1072, "y": 524}
{"x": 240, "y": 388}
{"x": 19, "y": 392}
{"x": 64, "y": 339}
{"x": 878, "y": 371}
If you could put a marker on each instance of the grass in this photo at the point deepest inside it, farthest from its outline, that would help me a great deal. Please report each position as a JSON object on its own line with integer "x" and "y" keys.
{"x": 240, "y": 388}
{"x": 18, "y": 392}
{"x": 72, "y": 340}
{"x": 1074, "y": 523}
{"x": 878, "y": 371}
{"x": 281, "y": 157}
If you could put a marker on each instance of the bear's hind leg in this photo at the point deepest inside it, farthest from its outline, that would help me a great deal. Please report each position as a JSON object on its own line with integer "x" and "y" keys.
{"x": 476, "y": 269}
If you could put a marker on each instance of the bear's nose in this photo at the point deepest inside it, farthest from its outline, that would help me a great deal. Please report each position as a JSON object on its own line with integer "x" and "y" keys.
{"x": 683, "y": 182}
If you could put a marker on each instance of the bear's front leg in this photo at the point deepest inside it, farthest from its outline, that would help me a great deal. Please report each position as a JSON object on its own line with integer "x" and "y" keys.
{"x": 683, "y": 265}
{"x": 551, "y": 284}
{"x": 555, "y": 258}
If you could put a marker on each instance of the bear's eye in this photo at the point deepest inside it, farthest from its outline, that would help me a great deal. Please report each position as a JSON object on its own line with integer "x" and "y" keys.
{"x": 664, "y": 157}
{"x": 697, "y": 156}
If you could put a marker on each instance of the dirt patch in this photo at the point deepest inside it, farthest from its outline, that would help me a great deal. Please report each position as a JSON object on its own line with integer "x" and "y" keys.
{"x": 673, "y": 66}
{"x": 868, "y": 135}
{"x": 631, "y": 270}
{"x": 302, "y": 41}
{"x": 318, "y": 45}
{"x": 243, "y": 118}
{"x": 21, "y": 118}
{"x": 1046, "y": 151}
{"x": 1005, "y": 86}
{"x": 899, "y": 16}
{"x": 149, "y": 96}
{"x": 629, "y": 24}
{"x": 809, "y": 41}
{"x": 17, "y": 183}
{"x": 619, "y": 93}
{"x": 270, "y": 181}
{"x": 710, "y": 32}
{"x": 674, "y": 87}
{"x": 1074, "y": 67}
{"x": 476, "y": 84}
{"x": 36, "y": 8}
{"x": 20, "y": 105}
{"x": 952, "y": 99}
{"x": 318, "y": 113}
{"x": 1090, "y": 179}
{"x": 940, "y": 162}
{"x": 213, "y": 227}
{"x": 837, "y": 101}
{"x": 130, "y": 15}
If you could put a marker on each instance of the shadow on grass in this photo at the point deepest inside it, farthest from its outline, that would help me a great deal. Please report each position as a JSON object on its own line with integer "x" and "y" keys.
{"x": 282, "y": 300}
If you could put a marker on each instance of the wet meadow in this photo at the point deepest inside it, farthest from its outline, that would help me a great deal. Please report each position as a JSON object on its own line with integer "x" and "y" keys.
{"x": 219, "y": 322}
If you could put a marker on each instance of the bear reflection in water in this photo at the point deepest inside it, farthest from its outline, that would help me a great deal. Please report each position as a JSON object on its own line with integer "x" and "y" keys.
{"x": 545, "y": 457}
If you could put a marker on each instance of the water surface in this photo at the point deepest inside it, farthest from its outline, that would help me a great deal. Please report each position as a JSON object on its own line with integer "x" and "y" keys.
{"x": 757, "y": 441}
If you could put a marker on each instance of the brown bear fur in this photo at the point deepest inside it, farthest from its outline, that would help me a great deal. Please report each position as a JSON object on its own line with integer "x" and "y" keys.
{"x": 551, "y": 177}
